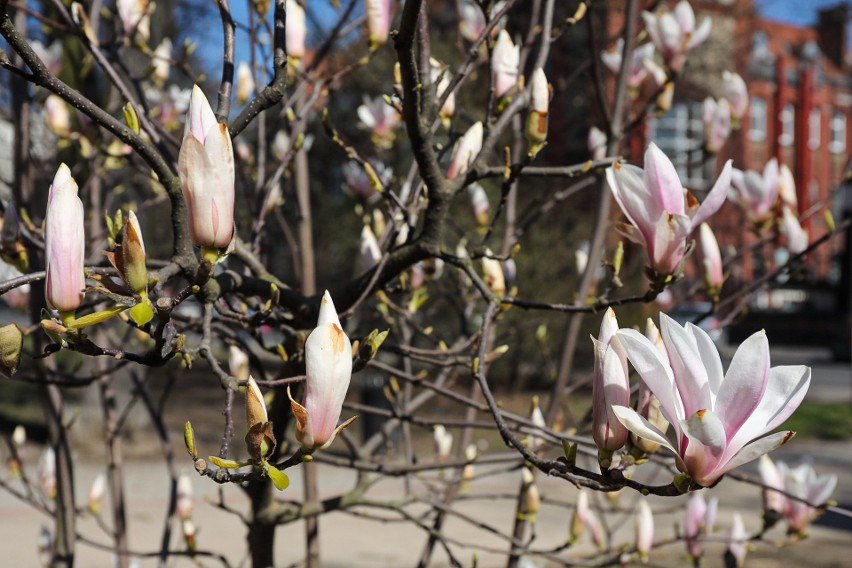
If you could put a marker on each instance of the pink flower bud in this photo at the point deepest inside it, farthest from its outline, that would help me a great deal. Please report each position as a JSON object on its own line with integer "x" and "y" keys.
{"x": 717, "y": 124}
{"x": 644, "y": 529}
{"x": 737, "y": 541}
{"x": 245, "y": 83}
{"x": 466, "y": 151}
{"x": 610, "y": 387}
{"x": 712, "y": 259}
{"x": 328, "y": 362}
{"x": 736, "y": 93}
{"x": 57, "y": 116}
{"x": 379, "y": 14}
{"x": 537, "y": 120}
{"x": 238, "y": 363}
{"x": 773, "y": 501}
{"x": 296, "y": 30}
{"x": 696, "y": 509}
{"x": 64, "y": 244}
{"x": 206, "y": 168}
{"x": 797, "y": 237}
{"x": 505, "y": 59}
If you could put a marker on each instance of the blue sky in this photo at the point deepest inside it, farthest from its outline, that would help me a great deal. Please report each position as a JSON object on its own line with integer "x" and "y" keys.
{"x": 801, "y": 12}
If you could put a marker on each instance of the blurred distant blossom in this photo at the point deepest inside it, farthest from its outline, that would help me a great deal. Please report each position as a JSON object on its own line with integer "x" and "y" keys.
{"x": 662, "y": 84}
{"x": 637, "y": 70}
{"x": 756, "y": 193}
{"x": 674, "y": 33}
{"x": 736, "y": 93}
{"x": 135, "y": 16}
{"x": 717, "y": 124}
{"x": 51, "y": 56}
{"x": 700, "y": 518}
{"x": 358, "y": 184}
{"x": 797, "y": 237}
{"x": 804, "y": 483}
{"x": 381, "y": 118}
{"x": 596, "y": 142}
{"x": 505, "y": 59}
{"x": 472, "y": 19}
{"x": 787, "y": 187}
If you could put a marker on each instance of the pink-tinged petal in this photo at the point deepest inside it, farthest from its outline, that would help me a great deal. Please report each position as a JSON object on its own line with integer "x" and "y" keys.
{"x": 671, "y": 36}
{"x": 221, "y": 153}
{"x": 685, "y": 16}
{"x": 716, "y": 197}
{"x": 655, "y": 372}
{"x": 634, "y": 199}
{"x": 200, "y": 117}
{"x": 296, "y": 29}
{"x": 711, "y": 257}
{"x": 662, "y": 181}
{"x": 706, "y": 446}
{"x": 696, "y": 509}
{"x": 641, "y": 427}
{"x": 650, "y": 20}
{"x": 821, "y": 487}
{"x": 701, "y": 34}
{"x": 745, "y": 383}
{"x": 197, "y": 178}
{"x": 466, "y": 151}
{"x": 65, "y": 244}
{"x": 609, "y": 390}
{"x": 327, "y": 312}
{"x": 670, "y": 236}
{"x": 690, "y": 376}
{"x": 710, "y": 359}
{"x": 755, "y": 450}
{"x": 644, "y": 528}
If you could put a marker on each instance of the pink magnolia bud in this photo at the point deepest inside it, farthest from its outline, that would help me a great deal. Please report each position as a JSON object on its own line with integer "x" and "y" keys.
{"x": 206, "y": 168}
{"x": 466, "y": 151}
{"x": 379, "y": 14}
{"x": 328, "y": 362}
{"x": 493, "y": 275}
{"x": 797, "y": 237}
{"x": 610, "y": 387}
{"x": 717, "y": 124}
{"x": 596, "y": 142}
{"x": 504, "y": 65}
{"x": 787, "y": 187}
{"x": 712, "y": 259}
{"x": 296, "y": 30}
{"x": 696, "y": 509}
{"x": 532, "y": 496}
{"x": 64, "y": 244}
{"x": 736, "y": 93}
{"x": 737, "y": 542}
{"x": 245, "y": 83}
{"x": 480, "y": 204}
{"x": 537, "y": 120}
{"x": 773, "y": 501}
{"x": 135, "y": 17}
{"x": 238, "y": 363}
{"x": 370, "y": 253}
{"x": 162, "y": 61}
{"x": 57, "y": 116}
{"x": 644, "y": 529}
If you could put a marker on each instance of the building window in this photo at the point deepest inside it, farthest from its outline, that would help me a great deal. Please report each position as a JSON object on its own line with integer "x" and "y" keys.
{"x": 757, "y": 120}
{"x": 815, "y": 129}
{"x": 837, "y": 141}
{"x": 680, "y": 135}
{"x": 788, "y": 125}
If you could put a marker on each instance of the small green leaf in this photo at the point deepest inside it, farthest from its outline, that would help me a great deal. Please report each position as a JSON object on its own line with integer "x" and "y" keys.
{"x": 95, "y": 317}
{"x": 141, "y": 313}
{"x": 278, "y": 477}
{"x": 225, "y": 464}
{"x": 189, "y": 440}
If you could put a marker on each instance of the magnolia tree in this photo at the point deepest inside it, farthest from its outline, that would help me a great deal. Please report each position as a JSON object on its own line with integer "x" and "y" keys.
{"x": 262, "y": 273}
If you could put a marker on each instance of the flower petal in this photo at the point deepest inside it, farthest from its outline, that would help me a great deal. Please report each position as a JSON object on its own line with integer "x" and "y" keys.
{"x": 690, "y": 376}
{"x": 742, "y": 390}
{"x": 709, "y": 359}
{"x": 633, "y": 198}
{"x": 755, "y": 450}
{"x": 662, "y": 181}
{"x": 641, "y": 427}
{"x": 706, "y": 446}
{"x": 716, "y": 196}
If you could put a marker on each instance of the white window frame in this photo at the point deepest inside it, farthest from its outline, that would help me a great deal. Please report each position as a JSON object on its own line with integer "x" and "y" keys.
{"x": 757, "y": 120}
{"x": 788, "y": 125}
{"x": 815, "y": 129}
{"x": 837, "y": 133}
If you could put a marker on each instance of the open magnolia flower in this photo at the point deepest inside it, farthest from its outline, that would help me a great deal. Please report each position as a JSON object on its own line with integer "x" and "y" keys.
{"x": 675, "y": 34}
{"x": 662, "y": 213}
{"x": 328, "y": 362}
{"x": 719, "y": 420}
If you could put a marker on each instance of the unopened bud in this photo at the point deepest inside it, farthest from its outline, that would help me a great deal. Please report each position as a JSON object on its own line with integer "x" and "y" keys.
{"x": 11, "y": 345}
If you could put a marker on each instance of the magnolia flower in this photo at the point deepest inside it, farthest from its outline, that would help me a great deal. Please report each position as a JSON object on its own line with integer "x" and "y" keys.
{"x": 662, "y": 84}
{"x": 737, "y": 542}
{"x": 696, "y": 525}
{"x": 370, "y": 253}
{"x": 296, "y": 30}
{"x": 57, "y": 116}
{"x": 596, "y": 143}
{"x": 505, "y": 59}
{"x": 717, "y": 124}
{"x": 183, "y": 498}
{"x": 773, "y": 501}
{"x": 206, "y": 168}
{"x": 64, "y": 244}
{"x": 162, "y": 61}
{"x": 532, "y": 496}
{"x": 479, "y": 203}
{"x": 756, "y": 193}
{"x": 466, "y": 151}
{"x": 493, "y": 274}
{"x": 787, "y": 187}
{"x": 536, "y": 130}
{"x": 644, "y": 529}
{"x": 637, "y": 70}
{"x": 804, "y": 483}
{"x": 245, "y": 83}
{"x": 472, "y": 19}
{"x": 135, "y": 17}
{"x": 736, "y": 93}
{"x": 712, "y": 260}
{"x": 328, "y": 363}
{"x": 359, "y": 184}
{"x": 379, "y": 15}
{"x": 675, "y": 34}
{"x": 96, "y": 493}
{"x": 610, "y": 387}
{"x": 662, "y": 213}
{"x": 719, "y": 421}
{"x": 381, "y": 118}
{"x": 797, "y": 237}
{"x": 443, "y": 443}
{"x": 238, "y": 363}
{"x": 442, "y": 80}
